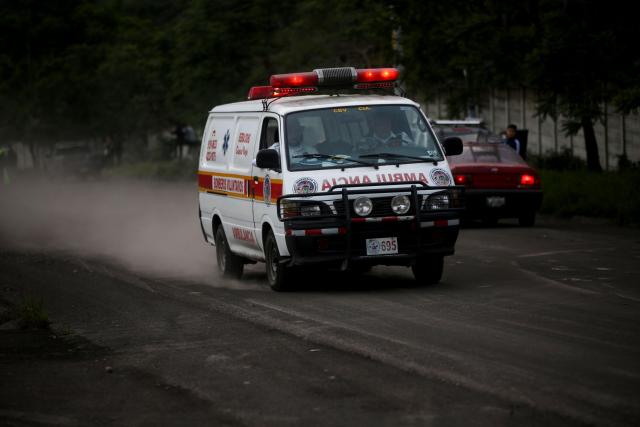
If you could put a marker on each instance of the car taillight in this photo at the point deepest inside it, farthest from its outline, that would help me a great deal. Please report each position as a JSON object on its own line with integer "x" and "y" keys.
{"x": 462, "y": 179}
{"x": 527, "y": 179}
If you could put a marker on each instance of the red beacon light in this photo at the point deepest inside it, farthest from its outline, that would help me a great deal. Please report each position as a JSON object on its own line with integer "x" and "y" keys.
{"x": 370, "y": 75}
{"x": 259, "y": 92}
{"x": 294, "y": 80}
{"x": 309, "y": 82}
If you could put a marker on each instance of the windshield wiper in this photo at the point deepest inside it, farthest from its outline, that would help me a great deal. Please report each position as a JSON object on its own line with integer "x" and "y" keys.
{"x": 385, "y": 155}
{"x": 334, "y": 158}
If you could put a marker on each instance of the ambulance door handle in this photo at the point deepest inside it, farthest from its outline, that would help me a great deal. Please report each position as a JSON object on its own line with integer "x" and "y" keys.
{"x": 256, "y": 181}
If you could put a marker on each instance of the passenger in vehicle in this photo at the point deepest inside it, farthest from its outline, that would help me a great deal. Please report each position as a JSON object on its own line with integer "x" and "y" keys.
{"x": 296, "y": 141}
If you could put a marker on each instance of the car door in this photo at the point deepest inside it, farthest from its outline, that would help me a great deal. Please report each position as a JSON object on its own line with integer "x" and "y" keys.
{"x": 241, "y": 147}
{"x": 267, "y": 183}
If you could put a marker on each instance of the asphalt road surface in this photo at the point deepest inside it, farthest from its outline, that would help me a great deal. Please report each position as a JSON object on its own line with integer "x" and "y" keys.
{"x": 529, "y": 326}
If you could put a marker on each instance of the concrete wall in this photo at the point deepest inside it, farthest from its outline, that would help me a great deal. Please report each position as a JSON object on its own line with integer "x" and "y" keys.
{"x": 501, "y": 107}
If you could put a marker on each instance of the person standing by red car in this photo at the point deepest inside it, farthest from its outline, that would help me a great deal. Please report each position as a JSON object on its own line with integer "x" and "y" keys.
{"x": 511, "y": 139}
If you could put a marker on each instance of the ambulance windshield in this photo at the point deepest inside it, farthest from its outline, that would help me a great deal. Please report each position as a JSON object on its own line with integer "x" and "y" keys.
{"x": 352, "y": 136}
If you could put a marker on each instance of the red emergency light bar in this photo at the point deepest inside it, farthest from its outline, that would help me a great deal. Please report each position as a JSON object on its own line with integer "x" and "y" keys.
{"x": 335, "y": 77}
{"x": 308, "y": 82}
{"x": 262, "y": 92}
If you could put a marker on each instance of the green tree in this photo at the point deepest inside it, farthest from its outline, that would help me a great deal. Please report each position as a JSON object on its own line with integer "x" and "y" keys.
{"x": 224, "y": 48}
{"x": 47, "y": 53}
{"x": 77, "y": 69}
{"x": 461, "y": 48}
{"x": 577, "y": 55}
{"x": 133, "y": 78}
{"x": 569, "y": 70}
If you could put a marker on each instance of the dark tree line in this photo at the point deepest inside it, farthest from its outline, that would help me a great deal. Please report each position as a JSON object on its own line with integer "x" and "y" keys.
{"x": 127, "y": 68}
{"x": 576, "y": 55}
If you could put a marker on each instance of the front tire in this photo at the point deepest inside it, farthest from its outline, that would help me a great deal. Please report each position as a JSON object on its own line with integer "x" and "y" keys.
{"x": 278, "y": 275}
{"x": 229, "y": 264}
{"x": 428, "y": 270}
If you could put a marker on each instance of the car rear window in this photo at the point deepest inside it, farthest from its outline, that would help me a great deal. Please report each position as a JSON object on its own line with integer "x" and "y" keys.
{"x": 487, "y": 153}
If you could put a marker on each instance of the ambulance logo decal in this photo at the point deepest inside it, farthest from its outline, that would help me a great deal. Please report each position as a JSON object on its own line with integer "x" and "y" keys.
{"x": 266, "y": 190}
{"x": 440, "y": 177}
{"x": 305, "y": 185}
{"x": 225, "y": 144}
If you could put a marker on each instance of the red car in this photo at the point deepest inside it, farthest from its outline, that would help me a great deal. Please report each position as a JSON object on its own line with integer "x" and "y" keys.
{"x": 499, "y": 183}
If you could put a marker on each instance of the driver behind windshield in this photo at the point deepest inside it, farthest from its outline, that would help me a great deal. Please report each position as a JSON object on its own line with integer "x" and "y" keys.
{"x": 382, "y": 135}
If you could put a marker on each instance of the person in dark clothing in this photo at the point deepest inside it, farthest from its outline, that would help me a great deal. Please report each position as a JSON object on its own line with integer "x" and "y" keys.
{"x": 511, "y": 139}
{"x": 180, "y": 139}
{"x": 8, "y": 164}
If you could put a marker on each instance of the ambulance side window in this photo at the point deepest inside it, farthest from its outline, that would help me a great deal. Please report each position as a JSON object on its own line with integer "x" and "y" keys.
{"x": 269, "y": 135}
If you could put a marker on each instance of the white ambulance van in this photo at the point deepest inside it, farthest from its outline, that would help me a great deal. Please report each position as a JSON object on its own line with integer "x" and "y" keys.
{"x": 327, "y": 168}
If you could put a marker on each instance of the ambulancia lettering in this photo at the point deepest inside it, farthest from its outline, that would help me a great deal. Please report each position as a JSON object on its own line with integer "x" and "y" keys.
{"x": 366, "y": 179}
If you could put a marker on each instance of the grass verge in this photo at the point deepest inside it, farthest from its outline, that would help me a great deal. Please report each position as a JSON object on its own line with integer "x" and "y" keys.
{"x": 611, "y": 195}
{"x": 31, "y": 314}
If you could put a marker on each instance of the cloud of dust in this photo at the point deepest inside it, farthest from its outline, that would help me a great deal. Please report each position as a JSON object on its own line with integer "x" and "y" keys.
{"x": 150, "y": 227}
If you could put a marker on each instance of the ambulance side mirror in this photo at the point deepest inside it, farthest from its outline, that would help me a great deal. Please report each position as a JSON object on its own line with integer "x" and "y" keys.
{"x": 268, "y": 159}
{"x": 452, "y": 146}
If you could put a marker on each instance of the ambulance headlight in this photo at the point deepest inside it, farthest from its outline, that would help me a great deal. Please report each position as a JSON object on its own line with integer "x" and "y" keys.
{"x": 436, "y": 202}
{"x": 310, "y": 210}
{"x": 362, "y": 206}
{"x": 296, "y": 208}
{"x": 400, "y": 205}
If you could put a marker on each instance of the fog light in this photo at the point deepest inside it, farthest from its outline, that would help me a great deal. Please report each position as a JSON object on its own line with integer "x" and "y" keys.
{"x": 400, "y": 205}
{"x": 363, "y": 206}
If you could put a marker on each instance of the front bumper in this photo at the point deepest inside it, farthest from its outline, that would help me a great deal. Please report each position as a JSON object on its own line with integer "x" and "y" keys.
{"x": 340, "y": 240}
{"x": 334, "y": 245}
{"x": 515, "y": 203}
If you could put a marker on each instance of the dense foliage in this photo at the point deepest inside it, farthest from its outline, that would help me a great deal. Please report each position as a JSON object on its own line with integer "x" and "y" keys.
{"x": 128, "y": 68}
{"x": 581, "y": 193}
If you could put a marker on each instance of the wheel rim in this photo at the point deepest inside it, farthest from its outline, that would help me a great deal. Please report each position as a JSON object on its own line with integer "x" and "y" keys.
{"x": 272, "y": 267}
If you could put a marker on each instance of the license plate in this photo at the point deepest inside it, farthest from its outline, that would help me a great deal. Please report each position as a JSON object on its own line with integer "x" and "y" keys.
{"x": 383, "y": 246}
{"x": 495, "y": 201}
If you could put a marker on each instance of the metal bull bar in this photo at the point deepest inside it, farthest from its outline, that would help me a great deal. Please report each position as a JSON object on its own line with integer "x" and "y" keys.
{"x": 345, "y": 190}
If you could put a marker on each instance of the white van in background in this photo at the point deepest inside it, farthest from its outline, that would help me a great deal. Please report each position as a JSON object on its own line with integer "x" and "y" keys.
{"x": 305, "y": 174}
